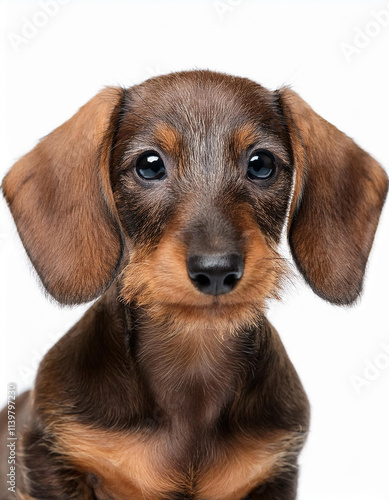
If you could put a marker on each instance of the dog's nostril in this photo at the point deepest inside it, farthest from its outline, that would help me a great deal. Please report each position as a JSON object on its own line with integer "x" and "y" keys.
{"x": 215, "y": 274}
{"x": 202, "y": 281}
{"x": 231, "y": 279}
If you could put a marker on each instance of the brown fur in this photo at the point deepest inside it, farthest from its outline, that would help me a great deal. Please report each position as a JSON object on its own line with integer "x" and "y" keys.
{"x": 335, "y": 181}
{"x": 139, "y": 466}
{"x": 159, "y": 282}
{"x": 55, "y": 194}
{"x": 168, "y": 139}
{"x": 160, "y": 391}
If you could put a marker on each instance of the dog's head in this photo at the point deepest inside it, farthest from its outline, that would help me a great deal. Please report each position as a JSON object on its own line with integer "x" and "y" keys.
{"x": 182, "y": 186}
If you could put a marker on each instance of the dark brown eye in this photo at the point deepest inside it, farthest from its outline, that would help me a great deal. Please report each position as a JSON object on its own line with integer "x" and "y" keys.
{"x": 261, "y": 166}
{"x": 150, "y": 166}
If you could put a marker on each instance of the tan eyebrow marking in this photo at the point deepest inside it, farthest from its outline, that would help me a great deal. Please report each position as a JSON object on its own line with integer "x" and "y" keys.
{"x": 168, "y": 139}
{"x": 247, "y": 135}
{"x": 244, "y": 136}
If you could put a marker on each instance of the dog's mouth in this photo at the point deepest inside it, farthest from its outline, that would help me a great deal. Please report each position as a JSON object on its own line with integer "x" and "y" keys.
{"x": 230, "y": 291}
{"x": 177, "y": 279}
{"x": 194, "y": 312}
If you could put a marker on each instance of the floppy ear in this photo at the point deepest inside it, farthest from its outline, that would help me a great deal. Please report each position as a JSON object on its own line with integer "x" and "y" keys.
{"x": 61, "y": 199}
{"x": 339, "y": 194}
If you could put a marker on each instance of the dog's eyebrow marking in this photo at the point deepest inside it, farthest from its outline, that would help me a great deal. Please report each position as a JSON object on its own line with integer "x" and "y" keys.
{"x": 167, "y": 138}
{"x": 249, "y": 134}
{"x": 245, "y": 135}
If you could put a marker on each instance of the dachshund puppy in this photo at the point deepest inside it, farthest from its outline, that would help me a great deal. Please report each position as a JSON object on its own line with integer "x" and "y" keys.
{"x": 167, "y": 200}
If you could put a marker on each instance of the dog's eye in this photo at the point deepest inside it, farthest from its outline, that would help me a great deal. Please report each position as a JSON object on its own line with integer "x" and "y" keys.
{"x": 150, "y": 166}
{"x": 261, "y": 166}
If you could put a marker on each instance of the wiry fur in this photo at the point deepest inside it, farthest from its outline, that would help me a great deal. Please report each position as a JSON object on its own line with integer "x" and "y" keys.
{"x": 161, "y": 392}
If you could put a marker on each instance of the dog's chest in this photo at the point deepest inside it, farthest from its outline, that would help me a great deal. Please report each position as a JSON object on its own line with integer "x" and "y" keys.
{"x": 133, "y": 466}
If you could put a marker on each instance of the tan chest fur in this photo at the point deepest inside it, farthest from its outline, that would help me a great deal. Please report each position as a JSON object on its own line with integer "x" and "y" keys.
{"x": 139, "y": 467}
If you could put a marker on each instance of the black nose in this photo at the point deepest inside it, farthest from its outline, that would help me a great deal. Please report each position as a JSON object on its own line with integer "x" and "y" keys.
{"x": 215, "y": 274}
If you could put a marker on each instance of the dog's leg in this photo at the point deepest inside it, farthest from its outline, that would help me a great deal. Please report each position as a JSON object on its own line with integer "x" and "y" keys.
{"x": 48, "y": 475}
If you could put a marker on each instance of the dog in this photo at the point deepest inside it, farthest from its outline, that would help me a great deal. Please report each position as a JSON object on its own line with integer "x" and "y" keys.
{"x": 167, "y": 202}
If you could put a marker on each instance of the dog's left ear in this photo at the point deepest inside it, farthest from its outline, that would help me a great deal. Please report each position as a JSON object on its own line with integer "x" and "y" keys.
{"x": 338, "y": 198}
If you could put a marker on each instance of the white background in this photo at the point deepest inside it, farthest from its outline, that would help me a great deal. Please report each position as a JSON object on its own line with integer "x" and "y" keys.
{"x": 86, "y": 45}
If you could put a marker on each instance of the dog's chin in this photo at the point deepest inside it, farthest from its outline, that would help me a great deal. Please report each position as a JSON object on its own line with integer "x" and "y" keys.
{"x": 197, "y": 311}
{"x": 170, "y": 298}
{"x": 217, "y": 318}
{"x": 213, "y": 305}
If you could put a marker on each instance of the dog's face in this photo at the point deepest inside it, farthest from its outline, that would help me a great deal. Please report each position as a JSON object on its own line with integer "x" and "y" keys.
{"x": 181, "y": 187}
{"x": 201, "y": 175}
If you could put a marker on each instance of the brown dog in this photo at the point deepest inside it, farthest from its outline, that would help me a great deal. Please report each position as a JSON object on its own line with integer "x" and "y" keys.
{"x": 169, "y": 198}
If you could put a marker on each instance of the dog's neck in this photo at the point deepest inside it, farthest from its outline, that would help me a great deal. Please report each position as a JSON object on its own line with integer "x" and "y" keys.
{"x": 193, "y": 371}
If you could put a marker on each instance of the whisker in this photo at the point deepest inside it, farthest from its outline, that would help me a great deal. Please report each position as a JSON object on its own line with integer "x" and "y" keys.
{"x": 277, "y": 258}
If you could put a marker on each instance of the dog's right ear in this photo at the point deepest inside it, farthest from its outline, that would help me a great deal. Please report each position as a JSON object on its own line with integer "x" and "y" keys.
{"x": 61, "y": 199}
